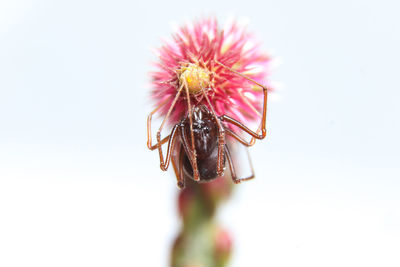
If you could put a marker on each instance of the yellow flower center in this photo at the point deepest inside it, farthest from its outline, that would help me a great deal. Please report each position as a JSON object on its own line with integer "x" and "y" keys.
{"x": 195, "y": 77}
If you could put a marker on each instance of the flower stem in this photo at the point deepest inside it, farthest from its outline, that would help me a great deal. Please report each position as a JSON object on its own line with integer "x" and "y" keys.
{"x": 201, "y": 241}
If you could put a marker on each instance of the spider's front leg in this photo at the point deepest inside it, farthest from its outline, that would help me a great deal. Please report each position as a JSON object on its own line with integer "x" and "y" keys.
{"x": 255, "y": 135}
{"x": 170, "y": 138}
{"x": 221, "y": 136}
{"x": 243, "y": 127}
{"x": 178, "y": 167}
{"x": 235, "y": 179}
{"x": 191, "y": 154}
{"x": 164, "y": 164}
{"x": 149, "y": 138}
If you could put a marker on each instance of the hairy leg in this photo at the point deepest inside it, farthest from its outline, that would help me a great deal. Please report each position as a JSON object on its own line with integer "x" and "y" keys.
{"x": 193, "y": 153}
{"x": 221, "y": 136}
{"x": 264, "y": 111}
{"x": 235, "y": 179}
{"x": 190, "y": 153}
{"x": 164, "y": 164}
{"x": 149, "y": 138}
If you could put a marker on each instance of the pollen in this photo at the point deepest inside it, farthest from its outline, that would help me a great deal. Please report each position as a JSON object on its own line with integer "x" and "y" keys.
{"x": 195, "y": 77}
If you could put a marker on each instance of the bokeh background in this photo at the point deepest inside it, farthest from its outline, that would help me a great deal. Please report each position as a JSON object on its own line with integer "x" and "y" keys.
{"x": 79, "y": 188}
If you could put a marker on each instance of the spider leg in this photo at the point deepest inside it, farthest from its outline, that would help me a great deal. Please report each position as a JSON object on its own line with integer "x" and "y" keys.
{"x": 164, "y": 164}
{"x": 264, "y": 111}
{"x": 166, "y": 118}
{"x": 246, "y": 100}
{"x": 170, "y": 138}
{"x": 193, "y": 153}
{"x": 230, "y": 163}
{"x": 149, "y": 118}
{"x": 239, "y": 138}
{"x": 149, "y": 138}
{"x": 190, "y": 153}
{"x": 235, "y": 179}
{"x": 163, "y": 141}
{"x": 181, "y": 182}
{"x": 244, "y": 128}
{"x": 178, "y": 168}
{"x": 221, "y": 136}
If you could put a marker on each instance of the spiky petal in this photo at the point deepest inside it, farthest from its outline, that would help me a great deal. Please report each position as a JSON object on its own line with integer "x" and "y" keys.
{"x": 201, "y": 44}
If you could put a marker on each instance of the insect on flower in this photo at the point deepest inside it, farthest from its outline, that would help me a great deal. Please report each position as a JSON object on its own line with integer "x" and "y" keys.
{"x": 208, "y": 83}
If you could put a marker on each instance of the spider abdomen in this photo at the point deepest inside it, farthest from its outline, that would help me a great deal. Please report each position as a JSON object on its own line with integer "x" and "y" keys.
{"x": 205, "y": 135}
{"x": 207, "y": 166}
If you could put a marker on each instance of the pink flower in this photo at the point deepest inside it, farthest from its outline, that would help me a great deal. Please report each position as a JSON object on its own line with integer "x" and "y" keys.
{"x": 193, "y": 54}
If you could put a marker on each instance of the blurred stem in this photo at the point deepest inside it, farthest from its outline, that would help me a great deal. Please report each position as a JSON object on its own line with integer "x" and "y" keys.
{"x": 201, "y": 242}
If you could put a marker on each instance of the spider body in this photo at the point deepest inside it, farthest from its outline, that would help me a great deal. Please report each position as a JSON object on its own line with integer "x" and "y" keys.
{"x": 205, "y": 133}
{"x": 202, "y": 150}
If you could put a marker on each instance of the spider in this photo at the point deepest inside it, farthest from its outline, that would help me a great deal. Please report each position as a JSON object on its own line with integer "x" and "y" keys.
{"x": 202, "y": 150}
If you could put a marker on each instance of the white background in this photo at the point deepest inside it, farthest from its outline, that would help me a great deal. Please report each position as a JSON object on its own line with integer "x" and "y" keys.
{"x": 79, "y": 188}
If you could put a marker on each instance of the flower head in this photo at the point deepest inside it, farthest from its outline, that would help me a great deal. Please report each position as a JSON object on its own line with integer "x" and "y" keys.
{"x": 192, "y": 60}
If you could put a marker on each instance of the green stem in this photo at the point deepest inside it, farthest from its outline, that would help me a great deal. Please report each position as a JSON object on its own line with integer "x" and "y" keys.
{"x": 201, "y": 241}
